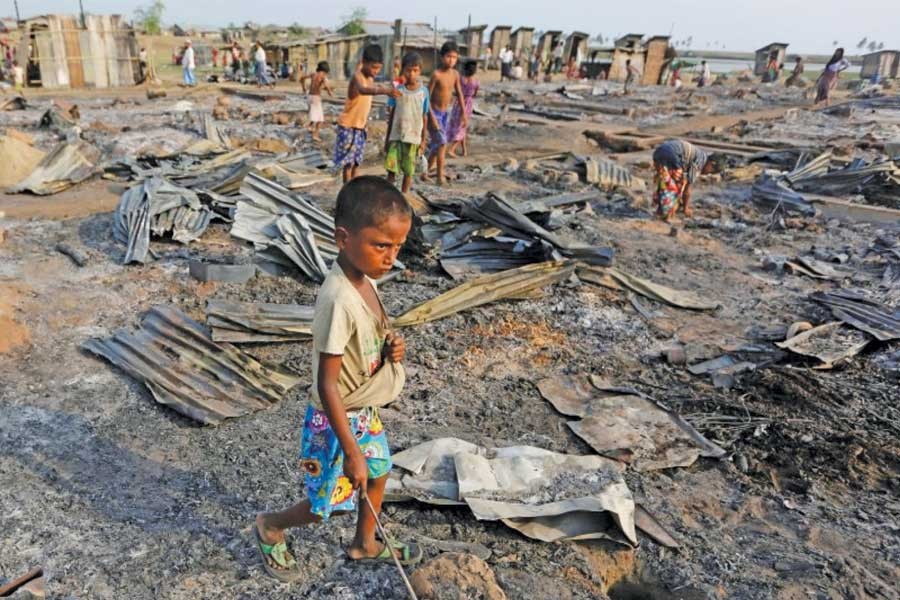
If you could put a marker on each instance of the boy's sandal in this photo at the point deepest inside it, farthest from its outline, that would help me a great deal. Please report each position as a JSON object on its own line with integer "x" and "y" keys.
{"x": 287, "y": 571}
{"x": 410, "y": 554}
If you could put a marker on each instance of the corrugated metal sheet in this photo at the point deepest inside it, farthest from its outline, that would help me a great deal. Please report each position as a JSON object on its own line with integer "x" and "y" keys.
{"x": 486, "y": 289}
{"x": 184, "y": 369}
{"x": 876, "y": 319}
{"x": 258, "y": 321}
{"x": 63, "y": 167}
{"x": 489, "y": 255}
{"x": 772, "y": 195}
{"x": 160, "y": 208}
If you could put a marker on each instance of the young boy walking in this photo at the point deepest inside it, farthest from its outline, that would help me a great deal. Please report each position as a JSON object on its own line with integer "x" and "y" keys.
{"x": 351, "y": 125}
{"x": 317, "y": 83}
{"x": 407, "y": 121}
{"x": 356, "y": 366}
{"x": 444, "y": 82}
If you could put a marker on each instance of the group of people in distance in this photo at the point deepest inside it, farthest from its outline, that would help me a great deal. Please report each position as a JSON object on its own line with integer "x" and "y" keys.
{"x": 422, "y": 122}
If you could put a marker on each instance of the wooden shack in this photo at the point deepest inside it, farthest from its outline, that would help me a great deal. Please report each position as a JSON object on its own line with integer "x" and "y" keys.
{"x": 655, "y": 50}
{"x": 472, "y": 39}
{"x": 576, "y": 47}
{"x": 883, "y": 64}
{"x": 548, "y": 42}
{"x": 627, "y": 47}
{"x": 499, "y": 40}
{"x": 521, "y": 41}
{"x": 104, "y": 53}
{"x": 775, "y": 50}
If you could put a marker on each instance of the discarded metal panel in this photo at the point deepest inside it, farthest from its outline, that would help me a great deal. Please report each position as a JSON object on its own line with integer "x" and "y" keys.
{"x": 489, "y": 255}
{"x": 645, "y": 287}
{"x": 550, "y": 202}
{"x": 279, "y": 200}
{"x": 875, "y": 319}
{"x": 774, "y": 195}
{"x": 18, "y": 159}
{"x": 623, "y": 424}
{"x": 807, "y": 167}
{"x": 811, "y": 267}
{"x": 214, "y": 133}
{"x": 223, "y": 180}
{"x": 831, "y": 343}
{"x": 183, "y": 368}
{"x": 258, "y": 321}
{"x": 486, "y": 289}
{"x": 65, "y": 166}
{"x": 494, "y": 210}
{"x": 544, "y": 495}
{"x": 160, "y": 208}
{"x": 850, "y": 179}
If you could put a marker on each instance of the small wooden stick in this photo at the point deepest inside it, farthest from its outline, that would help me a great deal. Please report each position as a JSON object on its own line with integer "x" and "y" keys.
{"x": 390, "y": 547}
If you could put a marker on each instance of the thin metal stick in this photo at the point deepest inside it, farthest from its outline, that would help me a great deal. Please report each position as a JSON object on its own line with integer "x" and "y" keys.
{"x": 390, "y": 547}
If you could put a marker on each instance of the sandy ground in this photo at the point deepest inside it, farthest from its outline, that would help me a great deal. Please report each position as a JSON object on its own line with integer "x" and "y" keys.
{"x": 116, "y": 496}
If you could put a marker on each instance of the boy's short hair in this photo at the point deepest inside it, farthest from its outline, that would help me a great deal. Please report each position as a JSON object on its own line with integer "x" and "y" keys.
{"x": 367, "y": 201}
{"x": 449, "y": 47}
{"x": 373, "y": 54}
{"x": 470, "y": 68}
{"x": 323, "y": 66}
{"x": 411, "y": 59}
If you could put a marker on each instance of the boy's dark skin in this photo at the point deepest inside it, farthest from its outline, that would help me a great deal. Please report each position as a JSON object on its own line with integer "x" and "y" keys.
{"x": 369, "y": 251}
{"x": 411, "y": 75}
{"x": 363, "y": 83}
{"x": 445, "y": 81}
{"x": 317, "y": 82}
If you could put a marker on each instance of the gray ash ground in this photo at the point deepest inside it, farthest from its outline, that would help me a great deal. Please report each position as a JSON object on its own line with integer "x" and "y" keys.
{"x": 116, "y": 496}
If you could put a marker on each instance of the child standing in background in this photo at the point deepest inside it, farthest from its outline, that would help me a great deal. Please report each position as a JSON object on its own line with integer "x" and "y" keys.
{"x": 444, "y": 82}
{"x": 459, "y": 131}
{"x": 407, "y": 121}
{"x": 317, "y": 83}
{"x": 351, "y": 125}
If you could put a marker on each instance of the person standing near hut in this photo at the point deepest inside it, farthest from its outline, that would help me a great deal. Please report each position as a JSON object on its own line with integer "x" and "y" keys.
{"x": 705, "y": 75}
{"x": 188, "y": 65}
{"x": 676, "y": 165}
{"x": 631, "y": 73}
{"x": 506, "y": 61}
{"x": 259, "y": 57}
{"x": 828, "y": 79}
{"x": 796, "y": 78}
{"x": 317, "y": 84}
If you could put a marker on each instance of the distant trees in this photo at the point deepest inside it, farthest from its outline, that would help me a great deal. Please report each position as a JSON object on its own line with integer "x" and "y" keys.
{"x": 353, "y": 23}
{"x": 149, "y": 18}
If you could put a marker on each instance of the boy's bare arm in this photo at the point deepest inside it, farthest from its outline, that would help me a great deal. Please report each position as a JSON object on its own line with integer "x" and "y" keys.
{"x": 355, "y": 467}
{"x": 387, "y": 134}
{"x": 362, "y": 87}
{"x": 457, "y": 84}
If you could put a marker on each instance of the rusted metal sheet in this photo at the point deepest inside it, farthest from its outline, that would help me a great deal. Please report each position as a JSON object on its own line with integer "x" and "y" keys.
{"x": 486, "y": 289}
{"x": 183, "y": 368}
{"x": 72, "y": 42}
{"x": 875, "y": 319}
{"x": 258, "y": 321}
{"x": 63, "y": 167}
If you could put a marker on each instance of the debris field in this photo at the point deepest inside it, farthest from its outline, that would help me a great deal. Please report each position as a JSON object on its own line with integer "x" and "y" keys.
{"x": 598, "y": 404}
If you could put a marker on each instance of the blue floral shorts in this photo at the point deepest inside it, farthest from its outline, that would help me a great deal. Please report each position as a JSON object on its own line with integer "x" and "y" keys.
{"x": 322, "y": 459}
{"x": 349, "y": 145}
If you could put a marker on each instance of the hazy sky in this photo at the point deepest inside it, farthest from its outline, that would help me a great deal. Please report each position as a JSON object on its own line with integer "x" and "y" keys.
{"x": 809, "y": 26}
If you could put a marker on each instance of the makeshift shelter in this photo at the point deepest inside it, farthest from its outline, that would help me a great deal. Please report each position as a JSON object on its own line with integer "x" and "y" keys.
{"x": 473, "y": 40}
{"x": 576, "y": 47}
{"x": 63, "y": 54}
{"x": 775, "y": 50}
{"x": 883, "y": 64}
{"x": 627, "y": 47}
{"x": 655, "y": 50}
{"x": 548, "y": 42}
{"x": 521, "y": 41}
{"x": 499, "y": 40}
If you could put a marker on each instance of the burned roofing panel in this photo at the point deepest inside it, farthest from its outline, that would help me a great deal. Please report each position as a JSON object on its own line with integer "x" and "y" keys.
{"x": 174, "y": 356}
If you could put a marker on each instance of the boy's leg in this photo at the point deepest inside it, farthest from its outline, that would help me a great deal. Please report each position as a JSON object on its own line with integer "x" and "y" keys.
{"x": 441, "y": 154}
{"x": 452, "y": 150}
{"x": 272, "y": 525}
{"x": 346, "y": 173}
{"x": 364, "y": 544}
{"x": 407, "y": 183}
{"x": 353, "y": 171}
{"x": 465, "y": 145}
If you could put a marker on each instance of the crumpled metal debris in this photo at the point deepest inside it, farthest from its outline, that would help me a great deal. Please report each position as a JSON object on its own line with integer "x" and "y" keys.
{"x": 486, "y": 289}
{"x": 184, "y": 369}
{"x": 626, "y": 425}
{"x": 258, "y": 321}
{"x": 297, "y": 171}
{"x": 774, "y": 195}
{"x": 488, "y": 255}
{"x": 158, "y": 207}
{"x": 66, "y": 165}
{"x": 876, "y": 319}
{"x": 544, "y": 495}
{"x": 831, "y": 343}
{"x": 616, "y": 279}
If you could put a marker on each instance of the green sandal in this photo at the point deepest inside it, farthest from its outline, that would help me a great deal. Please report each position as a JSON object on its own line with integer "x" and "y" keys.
{"x": 288, "y": 572}
{"x": 410, "y": 554}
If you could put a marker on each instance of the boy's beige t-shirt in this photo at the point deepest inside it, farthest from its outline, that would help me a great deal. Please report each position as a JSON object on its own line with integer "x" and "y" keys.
{"x": 343, "y": 324}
